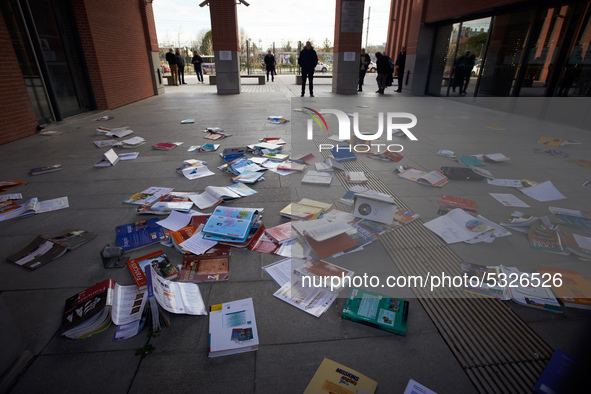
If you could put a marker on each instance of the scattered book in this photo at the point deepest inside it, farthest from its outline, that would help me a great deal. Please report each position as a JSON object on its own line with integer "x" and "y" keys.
{"x": 139, "y": 234}
{"x": 164, "y": 146}
{"x": 132, "y": 142}
{"x": 110, "y": 158}
{"x": 414, "y": 387}
{"x": 117, "y": 132}
{"x": 212, "y": 266}
{"x": 301, "y": 211}
{"x": 461, "y": 174}
{"x": 173, "y": 201}
{"x": 542, "y": 235}
{"x": 148, "y": 196}
{"x": 107, "y": 143}
{"x": 306, "y": 159}
{"x": 248, "y": 177}
{"x": 214, "y": 195}
{"x": 234, "y": 223}
{"x": 102, "y": 118}
{"x": 73, "y": 238}
{"x": 331, "y": 246}
{"x": 376, "y": 310}
{"x": 263, "y": 243}
{"x": 558, "y": 374}
{"x": 230, "y": 154}
{"x": 291, "y": 166}
{"x": 343, "y": 153}
{"x": 332, "y": 377}
{"x": 46, "y": 169}
{"x": 571, "y": 217}
{"x": 470, "y": 161}
{"x": 447, "y": 203}
{"x": 6, "y": 185}
{"x": 573, "y": 289}
{"x": 39, "y": 252}
{"x": 232, "y": 328}
{"x": 158, "y": 260}
{"x": 282, "y": 233}
{"x": 355, "y": 177}
{"x": 433, "y": 178}
{"x": 10, "y": 210}
{"x": 317, "y": 177}
{"x": 386, "y": 156}
{"x": 187, "y": 121}
{"x": 377, "y": 207}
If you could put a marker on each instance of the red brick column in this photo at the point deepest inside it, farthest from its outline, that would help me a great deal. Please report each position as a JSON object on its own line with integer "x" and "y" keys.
{"x": 347, "y": 45}
{"x": 226, "y": 45}
{"x": 149, "y": 24}
{"x": 17, "y": 116}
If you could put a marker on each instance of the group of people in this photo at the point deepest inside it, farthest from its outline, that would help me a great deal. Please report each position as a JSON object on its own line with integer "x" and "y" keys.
{"x": 177, "y": 66}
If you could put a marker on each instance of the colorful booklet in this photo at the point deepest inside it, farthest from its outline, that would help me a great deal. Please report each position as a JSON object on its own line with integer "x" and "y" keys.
{"x": 46, "y": 169}
{"x": 232, "y": 328}
{"x": 139, "y": 234}
{"x": 231, "y": 222}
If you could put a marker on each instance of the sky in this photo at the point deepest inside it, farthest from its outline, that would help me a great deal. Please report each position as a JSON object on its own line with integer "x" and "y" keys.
{"x": 268, "y": 21}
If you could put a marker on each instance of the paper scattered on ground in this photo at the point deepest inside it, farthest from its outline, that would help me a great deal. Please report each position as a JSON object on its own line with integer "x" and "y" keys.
{"x": 504, "y": 182}
{"x": 545, "y": 191}
{"x": 509, "y": 200}
{"x": 175, "y": 221}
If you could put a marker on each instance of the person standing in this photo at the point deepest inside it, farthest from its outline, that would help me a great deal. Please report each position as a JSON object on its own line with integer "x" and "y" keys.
{"x": 181, "y": 66}
{"x": 468, "y": 72}
{"x": 171, "y": 59}
{"x": 308, "y": 60}
{"x": 197, "y": 60}
{"x": 399, "y": 67}
{"x": 364, "y": 61}
{"x": 384, "y": 69}
{"x": 460, "y": 71}
{"x": 270, "y": 65}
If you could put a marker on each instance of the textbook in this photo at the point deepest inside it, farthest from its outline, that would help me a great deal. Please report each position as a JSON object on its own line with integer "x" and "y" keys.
{"x": 46, "y": 169}
{"x": 301, "y": 211}
{"x": 110, "y": 158}
{"x": 461, "y": 174}
{"x": 148, "y": 196}
{"x": 164, "y": 146}
{"x": 555, "y": 239}
{"x": 39, "y": 252}
{"x": 158, "y": 260}
{"x": 433, "y": 178}
{"x": 376, "y": 310}
{"x": 232, "y": 328}
{"x": 173, "y": 201}
{"x": 343, "y": 153}
{"x": 139, "y": 234}
{"x": 231, "y": 222}
{"x": 10, "y": 210}
{"x": 447, "y": 203}
{"x": 5, "y": 185}
{"x": 73, "y": 238}
{"x": 355, "y": 177}
{"x": 332, "y": 377}
{"x": 92, "y": 310}
{"x": 317, "y": 177}
{"x": 214, "y": 195}
{"x": 212, "y": 266}
{"x": 282, "y": 233}
{"x": 573, "y": 289}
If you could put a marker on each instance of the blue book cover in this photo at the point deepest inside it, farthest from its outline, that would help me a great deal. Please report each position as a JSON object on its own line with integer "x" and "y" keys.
{"x": 557, "y": 374}
{"x": 136, "y": 235}
{"x": 343, "y": 153}
{"x": 230, "y": 222}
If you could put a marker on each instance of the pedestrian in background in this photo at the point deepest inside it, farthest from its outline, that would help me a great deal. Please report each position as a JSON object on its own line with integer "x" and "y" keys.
{"x": 197, "y": 60}
{"x": 364, "y": 61}
{"x": 399, "y": 67}
{"x": 171, "y": 59}
{"x": 384, "y": 69}
{"x": 308, "y": 60}
{"x": 270, "y": 65}
{"x": 181, "y": 66}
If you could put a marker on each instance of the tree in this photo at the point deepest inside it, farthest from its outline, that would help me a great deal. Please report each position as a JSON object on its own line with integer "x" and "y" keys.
{"x": 196, "y": 43}
{"x": 292, "y": 59}
{"x": 326, "y": 45}
{"x": 475, "y": 44}
{"x": 287, "y": 47}
{"x": 206, "y": 47}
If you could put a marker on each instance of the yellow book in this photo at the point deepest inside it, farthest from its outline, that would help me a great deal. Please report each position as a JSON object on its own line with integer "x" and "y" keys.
{"x": 332, "y": 377}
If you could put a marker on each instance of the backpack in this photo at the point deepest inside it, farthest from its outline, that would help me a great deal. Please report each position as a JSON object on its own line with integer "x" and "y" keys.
{"x": 391, "y": 63}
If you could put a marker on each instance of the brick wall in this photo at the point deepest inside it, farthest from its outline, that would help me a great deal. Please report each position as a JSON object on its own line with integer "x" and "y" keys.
{"x": 224, "y": 25}
{"x": 438, "y": 10}
{"x": 116, "y": 49}
{"x": 17, "y": 117}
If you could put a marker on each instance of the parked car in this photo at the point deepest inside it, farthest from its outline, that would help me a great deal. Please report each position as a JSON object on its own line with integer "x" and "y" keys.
{"x": 372, "y": 68}
{"x": 476, "y": 70}
{"x": 322, "y": 67}
{"x": 165, "y": 68}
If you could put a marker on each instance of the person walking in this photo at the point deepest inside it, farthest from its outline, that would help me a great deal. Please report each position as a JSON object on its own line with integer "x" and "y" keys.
{"x": 468, "y": 72}
{"x": 364, "y": 61}
{"x": 270, "y": 65}
{"x": 181, "y": 66}
{"x": 460, "y": 71}
{"x": 308, "y": 60}
{"x": 384, "y": 69}
{"x": 171, "y": 59}
{"x": 399, "y": 67}
{"x": 197, "y": 60}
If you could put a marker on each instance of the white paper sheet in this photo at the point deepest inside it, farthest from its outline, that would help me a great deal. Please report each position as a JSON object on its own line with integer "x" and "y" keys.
{"x": 175, "y": 221}
{"x": 504, "y": 182}
{"x": 197, "y": 245}
{"x": 509, "y": 200}
{"x": 545, "y": 191}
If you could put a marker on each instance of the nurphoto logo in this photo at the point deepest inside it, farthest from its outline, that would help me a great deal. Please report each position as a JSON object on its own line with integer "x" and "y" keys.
{"x": 345, "y": 129}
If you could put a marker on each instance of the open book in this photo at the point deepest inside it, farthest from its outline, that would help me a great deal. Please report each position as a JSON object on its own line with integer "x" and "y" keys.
{"x": 433, "y": 178}
{"x": 543, "y": 236}
{"x": 214, "y": 195}
{"x": 10, "y": 210}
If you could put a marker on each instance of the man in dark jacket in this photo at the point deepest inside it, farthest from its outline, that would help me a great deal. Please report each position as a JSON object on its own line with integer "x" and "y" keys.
{"x": 308, "y": 60}
{"x": 197, "y": 60}
{"x": 399, "y": 67}
{"x": 181, "y": 66}
{"x": 364, "y": 61}
{"x": 171, "y": 59}
{"x": 270, "y": 65}
{"x": 384, "y": 70}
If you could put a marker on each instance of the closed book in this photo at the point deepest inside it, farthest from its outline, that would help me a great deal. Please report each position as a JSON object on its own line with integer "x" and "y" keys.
{"x": 332, "y": 245}
{"x": 212, "y": 266}
{"x": 376, "y": 310}
{"x": 164, "y": 146}
{"x": 158, "y": 260}
{"x": 343, "y": 153}
{"x": 139, "y": 234}
{"x": 232, "y": 328}
{"x": 46, "y": 169}
{"x": 39, "y": 252}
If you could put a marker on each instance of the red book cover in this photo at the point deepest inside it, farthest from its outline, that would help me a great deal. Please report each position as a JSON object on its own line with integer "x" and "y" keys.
{"x": 447, "y": 203}
{"x": 86, "y": 304}
{"x": 160, "y": 263}
{"x": 212, "y": 266}
{"x": 332, "y": 245}
{"x": 164, "y": 146}
{"x": 263, "y": 243}
{"x": 282, "y": 233}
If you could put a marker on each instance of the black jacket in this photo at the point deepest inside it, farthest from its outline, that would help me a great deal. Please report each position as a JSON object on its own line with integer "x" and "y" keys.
{"x": 270, "y": 62}
{"x": 170, "y": 58}
{"x": 308, "y": 60}
{"x": 401, "y": 61}
{"x": 197, "y": 60}
{"x": 179, "y": 61}
{"x": 383, "y": 65}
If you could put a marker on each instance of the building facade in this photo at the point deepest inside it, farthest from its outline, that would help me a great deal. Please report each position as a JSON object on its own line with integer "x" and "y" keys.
{"x": 520, "y": 48}
{"x": 65, "y": 57}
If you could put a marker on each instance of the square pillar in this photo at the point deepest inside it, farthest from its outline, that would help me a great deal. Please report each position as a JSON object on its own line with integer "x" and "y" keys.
{"x": 347, "y": 45}
{"x": 226, "y": 46}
